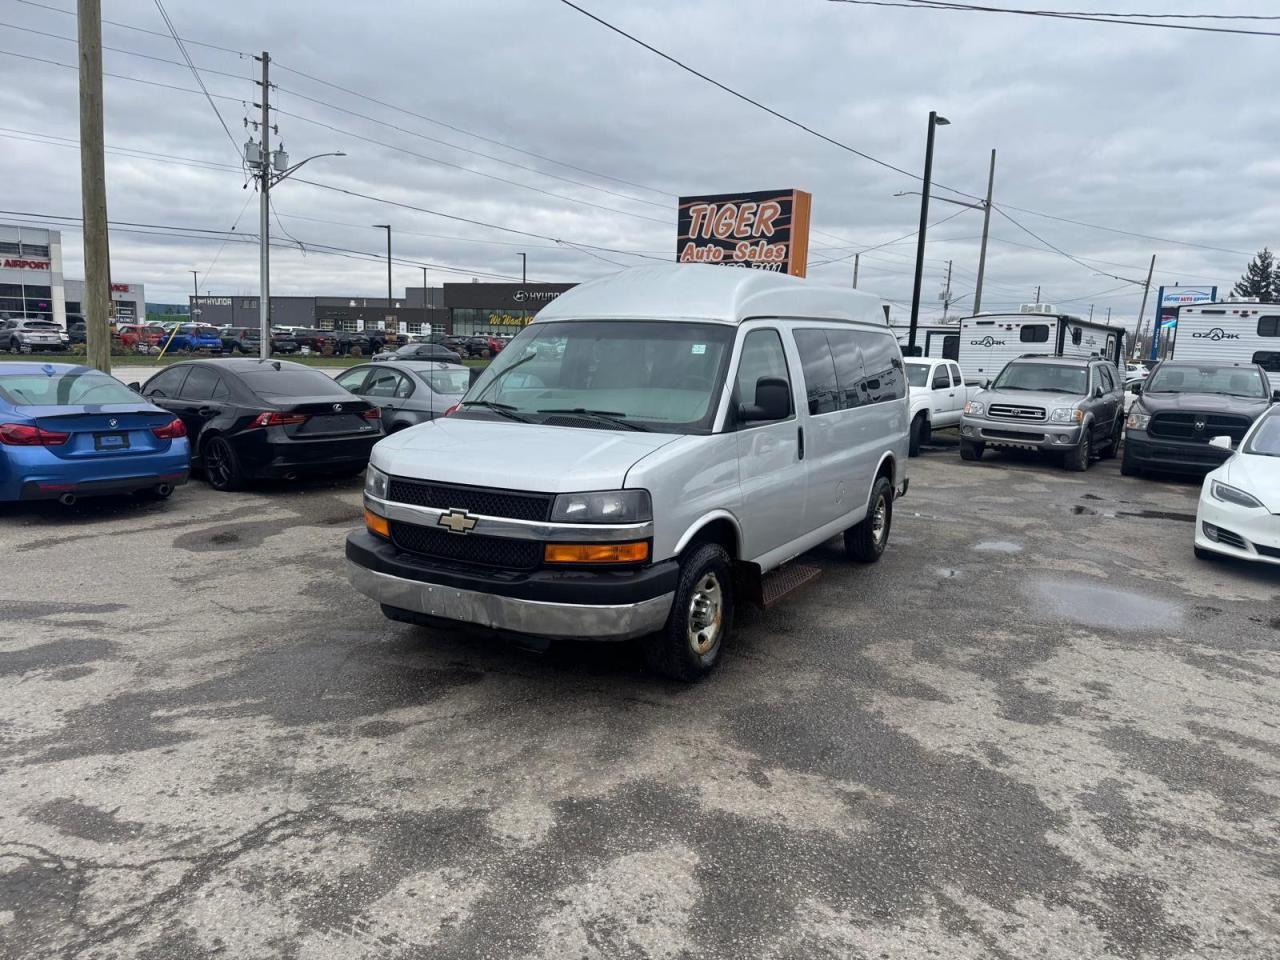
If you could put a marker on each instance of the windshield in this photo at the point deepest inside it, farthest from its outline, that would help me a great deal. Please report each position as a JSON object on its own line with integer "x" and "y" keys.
{"x": 448, "y": 381}
{"x": 1046, "y": 377}
{"x": 1265, "y": 441}
{"x": 64, "y": 389}
{"x": 269, "y": 382}
{"x": 656, "y": 374}
{"x": 1188, "y": 378}
{"x": 918, "y": 374}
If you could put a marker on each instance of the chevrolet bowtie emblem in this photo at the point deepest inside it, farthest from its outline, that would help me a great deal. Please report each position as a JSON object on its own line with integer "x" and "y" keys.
{"x": 457, "y": 521}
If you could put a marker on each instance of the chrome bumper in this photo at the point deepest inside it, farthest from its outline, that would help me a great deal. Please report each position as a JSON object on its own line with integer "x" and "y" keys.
{"x": 538, "y": 618}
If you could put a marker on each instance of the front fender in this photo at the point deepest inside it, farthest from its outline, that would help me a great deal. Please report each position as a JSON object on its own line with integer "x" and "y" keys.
{"x": 705, "y": 521}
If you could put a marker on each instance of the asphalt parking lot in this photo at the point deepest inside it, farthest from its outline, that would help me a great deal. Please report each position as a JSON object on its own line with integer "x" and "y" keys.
{"x": 1038, "y": 728}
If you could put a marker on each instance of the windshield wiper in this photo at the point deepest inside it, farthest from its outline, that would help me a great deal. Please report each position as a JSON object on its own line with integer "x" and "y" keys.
{"x": 505, "y": 409}
{"x": 608, "y": 416}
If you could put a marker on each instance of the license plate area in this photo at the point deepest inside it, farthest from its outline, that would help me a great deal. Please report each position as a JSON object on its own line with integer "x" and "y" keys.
{"x": 323, "y": 424}
{"x": 111, "y": 441}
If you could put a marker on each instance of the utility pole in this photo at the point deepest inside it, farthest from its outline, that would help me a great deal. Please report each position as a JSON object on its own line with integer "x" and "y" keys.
{"x": 195, "y": 291}
{"x": 524, "y": 268}
{"x": 934, "y": 121}
{"x": 856, "y": 258}
{"x": 1037, "y": 293}
{"x": 387, "y": 227}
{"x": 93, "y": 189}
{"x": 1108, "y": 314}
{"x": 264, "y": 218}
{"x": 986, "y": 230}
{"x": 1091, "y": 311}
{"x": 1146, "y": 290}
{"x": 946, "y": 302}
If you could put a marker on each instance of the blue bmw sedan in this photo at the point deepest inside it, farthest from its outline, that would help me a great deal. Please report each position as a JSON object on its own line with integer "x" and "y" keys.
{"x": 69, "y": 431}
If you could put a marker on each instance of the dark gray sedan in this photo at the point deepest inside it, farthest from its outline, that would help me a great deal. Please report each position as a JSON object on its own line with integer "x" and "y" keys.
{"x": 408, "y": 391}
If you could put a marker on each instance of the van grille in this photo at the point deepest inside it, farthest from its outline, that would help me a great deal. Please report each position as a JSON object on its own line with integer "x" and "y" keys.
{"x": 514, "y": 505}
{"x": 1001, "y": 411}
{"x": 481, "y": 551}
{"x": 1183, "y": 426}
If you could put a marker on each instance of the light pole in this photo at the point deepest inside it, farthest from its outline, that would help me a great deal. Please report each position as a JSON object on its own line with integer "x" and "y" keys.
{"x": 934, "y": 121}
{"x": 387, "y": 227}
{"x": 524, "y": 268}
{"x": 425, "y": 313}
{"x": 195, "y": 289}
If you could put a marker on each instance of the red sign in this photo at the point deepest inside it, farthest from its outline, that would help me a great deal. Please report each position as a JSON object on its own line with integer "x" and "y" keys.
{"x": 119, "y": 288}
{"x": 27, "y": 264}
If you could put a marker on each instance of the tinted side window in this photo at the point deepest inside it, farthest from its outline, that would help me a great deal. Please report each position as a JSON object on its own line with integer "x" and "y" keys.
{"x": 883, "y": 376}
{"x": 941, "y": 381}
{"x": 819, "y": 371}
{"x": 382, "y": 384}
{"x": 202, "y": 384}
{"x": 1034, "y": 333}
{"x": 167, "y": 383}
{"x": 1108, "y": 377}
{"x": 956, "y": 376}
{"x": 1269, "y": 326}
{"x": 848, "y": 357}
{"x": 762, "y": 356}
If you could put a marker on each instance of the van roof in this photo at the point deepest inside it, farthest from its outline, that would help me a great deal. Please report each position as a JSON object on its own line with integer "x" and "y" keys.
{"x": 706, "y": 292}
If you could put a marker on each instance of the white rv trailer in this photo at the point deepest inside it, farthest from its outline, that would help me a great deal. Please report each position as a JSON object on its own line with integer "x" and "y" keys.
{"x": 988, "y": 341}
{"x": 941, "y": 340}
{"x": 1234, "y": 331}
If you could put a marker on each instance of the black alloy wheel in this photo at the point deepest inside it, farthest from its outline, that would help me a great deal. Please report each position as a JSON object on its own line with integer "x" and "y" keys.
{"x": 221, "y": 466}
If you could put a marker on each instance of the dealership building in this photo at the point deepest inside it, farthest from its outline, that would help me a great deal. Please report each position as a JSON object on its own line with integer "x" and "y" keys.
{"x": 32, "y": 284}
{"x": 464, "y": 309}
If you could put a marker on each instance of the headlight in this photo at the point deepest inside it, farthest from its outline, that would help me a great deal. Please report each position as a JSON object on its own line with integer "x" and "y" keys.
{"x": 1220, "y": 491}
{"x": 1067, "y": 415}
{"x": 1138, "y": 421}
{"x": 375, "y": 482}
{"x": 606, "y": 506}
{"x": 975, "y": 408}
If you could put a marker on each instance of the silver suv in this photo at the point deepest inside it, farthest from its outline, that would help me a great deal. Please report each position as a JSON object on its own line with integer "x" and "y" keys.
{"x": 1072, "y": 406}
{"x": 24, "y": 336}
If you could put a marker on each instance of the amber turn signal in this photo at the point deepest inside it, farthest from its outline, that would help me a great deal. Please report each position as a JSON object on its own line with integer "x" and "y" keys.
{"x": 636, "y": 552}
{"x": 377, "y": 525}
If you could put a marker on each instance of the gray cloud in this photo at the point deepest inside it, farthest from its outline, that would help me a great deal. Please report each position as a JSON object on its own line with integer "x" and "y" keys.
{"x": 1156, "y": 132}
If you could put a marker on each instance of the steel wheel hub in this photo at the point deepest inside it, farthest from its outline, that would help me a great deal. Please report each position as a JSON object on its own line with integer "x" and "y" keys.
{"x": 706, "y": 608}
{"x": 880, "y": 521}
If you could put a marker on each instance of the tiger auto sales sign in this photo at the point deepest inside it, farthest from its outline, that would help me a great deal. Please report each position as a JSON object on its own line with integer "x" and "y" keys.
{"x": 764, "y": 230}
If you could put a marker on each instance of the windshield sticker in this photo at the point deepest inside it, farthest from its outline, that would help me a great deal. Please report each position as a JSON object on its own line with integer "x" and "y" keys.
{"x": 699, "y": 349}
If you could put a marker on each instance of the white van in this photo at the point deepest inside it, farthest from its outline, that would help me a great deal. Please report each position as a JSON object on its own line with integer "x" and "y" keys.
{"x": 639, "y": 458}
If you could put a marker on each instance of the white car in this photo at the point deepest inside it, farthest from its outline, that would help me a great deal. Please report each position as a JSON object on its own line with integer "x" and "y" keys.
{"x": 1136, "y": 372}
{"x": 1239, "y": 513}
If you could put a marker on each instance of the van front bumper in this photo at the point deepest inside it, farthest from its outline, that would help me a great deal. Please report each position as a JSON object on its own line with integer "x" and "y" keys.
{"x": 570, "y": 603}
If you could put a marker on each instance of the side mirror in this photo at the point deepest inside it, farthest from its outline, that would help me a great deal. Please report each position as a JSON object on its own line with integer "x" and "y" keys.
{"x": 1137, "y": 389}
{"x": 1222, "y": 443}
{"x": 1097, "y": 393}
{"x": 773, "y": 401}
{"x": 136, "y": 387}
{"x": 475, "y": 374}
{"x": 986, "y": 384}
{"x": 1275, "y": 396}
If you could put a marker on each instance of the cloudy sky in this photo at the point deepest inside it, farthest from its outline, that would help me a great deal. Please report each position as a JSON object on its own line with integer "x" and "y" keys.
{"x": 527, "y": 115}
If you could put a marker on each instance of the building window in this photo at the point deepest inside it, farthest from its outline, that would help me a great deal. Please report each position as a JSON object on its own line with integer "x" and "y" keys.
{"x": 40, "y": 250}
{"x": 9, "y": 246}
{"x": 414, "y": 326}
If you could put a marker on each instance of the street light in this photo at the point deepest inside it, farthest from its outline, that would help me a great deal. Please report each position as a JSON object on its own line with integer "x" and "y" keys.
{"x": 272, "y": 168}
{"x": 387, "y": 227}
{"x": 934, "y": 121}
{"x": 524, "y": 268}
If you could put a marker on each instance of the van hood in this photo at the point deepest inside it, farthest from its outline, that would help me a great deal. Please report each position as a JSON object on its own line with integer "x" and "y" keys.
{"x": 515, "y": 456}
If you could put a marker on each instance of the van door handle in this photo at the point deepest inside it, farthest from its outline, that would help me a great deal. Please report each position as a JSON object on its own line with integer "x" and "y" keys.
{"x": 800, "y": 441}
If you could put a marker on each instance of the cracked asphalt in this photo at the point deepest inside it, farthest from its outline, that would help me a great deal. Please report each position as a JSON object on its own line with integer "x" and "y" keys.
{"x": 1039, "y": 728}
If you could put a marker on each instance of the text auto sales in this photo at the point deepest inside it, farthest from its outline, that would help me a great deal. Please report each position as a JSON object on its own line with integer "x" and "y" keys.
{"x": 730, "y": 221}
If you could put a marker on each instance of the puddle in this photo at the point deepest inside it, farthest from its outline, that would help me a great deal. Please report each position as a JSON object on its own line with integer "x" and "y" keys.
{"x": 996, "y": 546}
{"x": 945, "y": 573}
{"x": 1079, "y": 511}
{"x": 1090, "y": 496}
{"x": 1098, "y": 606}
{"x": 1157, "y": 515}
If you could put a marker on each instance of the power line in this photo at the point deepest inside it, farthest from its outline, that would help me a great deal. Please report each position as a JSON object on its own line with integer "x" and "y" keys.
{"x": 129, "y": 26}
{"x": 1053, "y": 15}
{"x": 755, "y": 103}
{"x": 1059, "y": 250}
{"x": 887, "y": 243}
{"x": 173, "y": 31}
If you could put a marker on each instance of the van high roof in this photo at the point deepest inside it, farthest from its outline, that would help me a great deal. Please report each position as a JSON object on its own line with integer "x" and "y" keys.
{"x": 706, "y": 292}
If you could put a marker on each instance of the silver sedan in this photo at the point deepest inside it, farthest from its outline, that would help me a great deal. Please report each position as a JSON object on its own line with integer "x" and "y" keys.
{"x": 409, "y": 392}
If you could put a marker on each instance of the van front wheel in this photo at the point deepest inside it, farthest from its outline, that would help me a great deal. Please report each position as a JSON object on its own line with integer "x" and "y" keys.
{"x": 866, "y": 541}
{"x": 689, "y": 646}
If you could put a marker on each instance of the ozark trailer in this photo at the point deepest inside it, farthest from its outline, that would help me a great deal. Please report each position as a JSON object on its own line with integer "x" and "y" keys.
{"x": 990, "y": 340}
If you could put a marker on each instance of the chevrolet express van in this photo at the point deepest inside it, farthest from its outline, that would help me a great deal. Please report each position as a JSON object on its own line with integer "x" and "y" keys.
{"x": 640, "y": 458}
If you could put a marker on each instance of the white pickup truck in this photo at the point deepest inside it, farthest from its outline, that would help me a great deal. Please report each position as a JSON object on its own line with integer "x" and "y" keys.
{"x": 938, "y": 394}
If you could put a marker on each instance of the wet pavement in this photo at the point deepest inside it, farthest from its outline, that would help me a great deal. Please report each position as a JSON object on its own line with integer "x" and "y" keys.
{"x": 1039, "y": 727}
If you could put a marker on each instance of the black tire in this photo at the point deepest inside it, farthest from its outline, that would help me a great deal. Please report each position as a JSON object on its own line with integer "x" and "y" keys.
{"x": 866, "y": 541}
{"x": 688, "y": 649}
{"x": 1109, "y": 451}
{"x": 1203, "y": 554}
{"x": 1077, "y": 460}
{"x": 222, "y": 468}
{"x": 917, "y": 436}
{"x": 1128, "y": 468}
{"x": 970, "y": 450}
